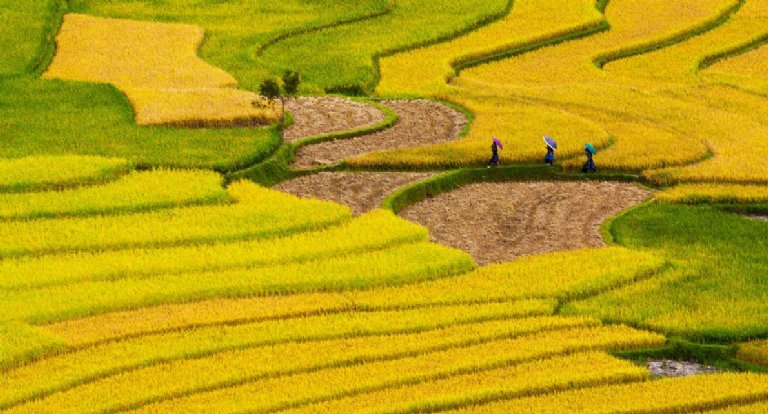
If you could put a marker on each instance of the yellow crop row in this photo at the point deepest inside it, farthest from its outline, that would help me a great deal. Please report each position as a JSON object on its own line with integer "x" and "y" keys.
{"x": 157, "y": 67}
{"x": 375, "y": 230}
{"x": 712, "y": 193}
{"x": 397, "y": 265}
{"x": 259, "y": 213}
{"x": 19, "y": 341}
{"x": 530, "y": 277}
{"x": 133, "y": 192}
{"x": 754, "y": 351}
{"x": 537, "y": 377}
{"x": 761, "y": 407}
{"x": 176, "y": 316}
{"x": 644, "y": 144}
{"x": 278, "y": 346}
{"x": 114, "y": 325}
{"x": 425, "y": 71}
{"x": 679, "y": 63}
{"x": 202, "y": 108}
{"x": 747, "y": 71}
{"x": 46, "y": 172}
{"x": 394, "y": 358}
{"x": 561, "y": 275}
{"x": 632, "y": 23}
{"x": 270, "y": 394}
{"x": 667, "y": 395}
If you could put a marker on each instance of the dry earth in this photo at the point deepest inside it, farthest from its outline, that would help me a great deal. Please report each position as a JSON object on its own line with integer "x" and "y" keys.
{"x": 322, "y": 115}
{"x": 501, "y": 221}
{"x": 669, "y": 368}
{"x": 758, "y": 217}
{"x": 420, "y": 122}
{"x": 362, "y": 192}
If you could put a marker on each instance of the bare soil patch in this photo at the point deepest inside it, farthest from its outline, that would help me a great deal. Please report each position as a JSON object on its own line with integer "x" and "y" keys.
{"x": 322, "y": 115}
{"x": 362, "y": 192}
{"x": 669, "y": 368}
{"x": 501, "y": 221}
{"x": 758, "y": 217}
{"x": 420, "y": 122}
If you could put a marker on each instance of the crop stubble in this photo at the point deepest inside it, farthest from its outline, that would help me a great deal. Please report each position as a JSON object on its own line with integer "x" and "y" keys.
{"x": 499, "y": 222}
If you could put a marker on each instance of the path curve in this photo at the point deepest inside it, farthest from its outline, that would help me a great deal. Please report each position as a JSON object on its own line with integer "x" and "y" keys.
{"x": 501, "y": 221}
{"x": 326, "y": 114}
{"x": 420, "y": 122}
{"x": 362, "y": 191}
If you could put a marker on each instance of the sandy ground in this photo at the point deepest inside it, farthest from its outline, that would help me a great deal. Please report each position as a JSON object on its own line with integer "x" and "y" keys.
{"x": 420, "y": 122}
{"x": 501, "y": 221}
{"x": 321, "y": 115}
{"x": 758, "y": 217}
{"x": 669, "y": 368}
{"x": 362, "y": 192}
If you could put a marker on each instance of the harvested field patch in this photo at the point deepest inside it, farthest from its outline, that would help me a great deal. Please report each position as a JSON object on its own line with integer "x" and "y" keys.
{"x": 360, "y": 191}
{"x": 420, "y": 122}
{"x": 499, "y": 222}
{"x": 322, "y": 115}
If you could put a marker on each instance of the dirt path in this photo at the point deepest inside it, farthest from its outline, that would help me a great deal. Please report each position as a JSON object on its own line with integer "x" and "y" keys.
{"x": 360, "y": 191}
{"x": 321, "y": 115}
{"x": 420, "y": 122}
{"x": 499, "y": 222}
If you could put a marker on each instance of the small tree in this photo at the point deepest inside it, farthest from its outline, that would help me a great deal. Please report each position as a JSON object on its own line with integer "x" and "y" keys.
{"x": 291, "y": 81}
{"x": 271, "y": 90}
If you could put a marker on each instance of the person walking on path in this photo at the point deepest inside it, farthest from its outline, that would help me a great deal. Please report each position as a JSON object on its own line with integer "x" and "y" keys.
{"x": 550, "y": 157}
{"x": 551, "y": 147}
{"x": 495, "y": 153}
{"x": 590, "y": 151}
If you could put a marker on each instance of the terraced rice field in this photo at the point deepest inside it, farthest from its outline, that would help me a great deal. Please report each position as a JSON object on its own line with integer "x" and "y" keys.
{"x": 146, "y": 267}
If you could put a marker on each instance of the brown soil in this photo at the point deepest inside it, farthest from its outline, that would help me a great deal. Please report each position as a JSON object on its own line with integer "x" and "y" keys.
{"x": 321, "y": 115}
{"x": 669, "y": 368}
{"x": 499, "y": 222}
{"x": 420, "y": 122}
{"x": 362, "y": 192}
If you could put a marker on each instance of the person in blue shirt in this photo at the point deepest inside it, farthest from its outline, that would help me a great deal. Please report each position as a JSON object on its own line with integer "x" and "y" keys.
{"x": 590, "y": 164}
{"x": 550, "y": 157}
{"x": 494, "y": 156}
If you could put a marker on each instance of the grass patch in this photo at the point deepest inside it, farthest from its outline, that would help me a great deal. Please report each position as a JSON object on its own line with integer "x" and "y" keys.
{"x": 714, "y": 291}
{"x": 63, "y": 118}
